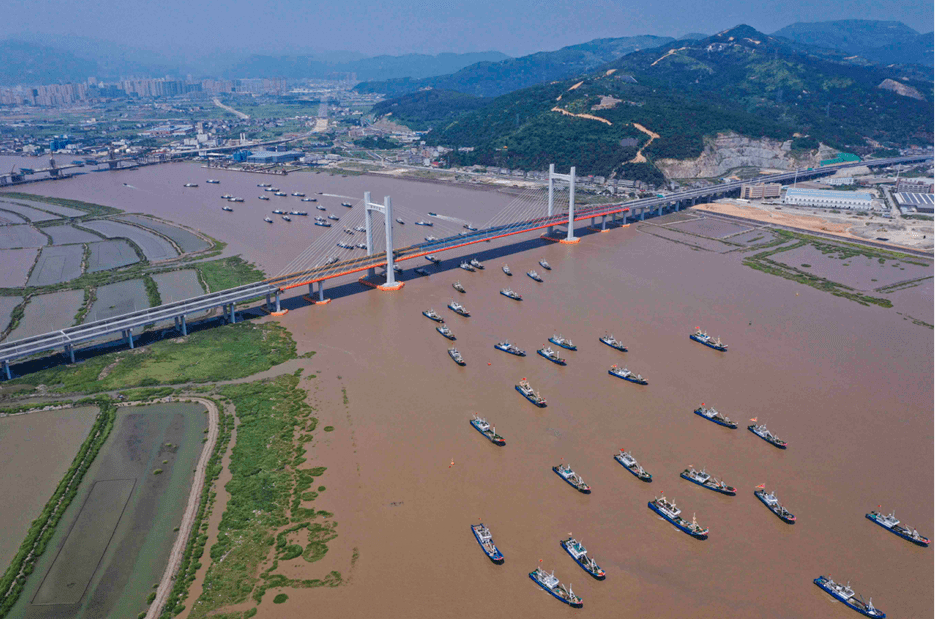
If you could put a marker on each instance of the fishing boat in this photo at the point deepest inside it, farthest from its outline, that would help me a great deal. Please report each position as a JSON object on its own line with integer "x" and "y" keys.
{"x": 191, "y": 184}
{"x": 891, "y": 524}
{"x": 467, "y": 267}
{"x": 286, "y": 218}
{"x": 300, "y": 213}
{"x": 706, "y": 480}
{"x": 344, "y": 245}
{"x": 626, "y": 374}
{"x": 457, "y": 286}
{"x": 359, "y": 229}
{"x": 571, "y": 478}
{"x": 320, "y": 207}
{"x": 558, "y": 340}
{"x": 712, "y": 415}
{"x": 527, "y": 392}
{"x": 456, "y": 356}
{"x": 551, "y": 584}
{"x": 431, "y": 214}
{"x": 323, "y": 224}
{"x": 506, "y": 269}
{"x": 263, "y": 197}
{"x": 545, "y": 265}
{"x": 580, "y": 554}
{"x": 627, "y": 461}
{"x": 432, "y": 259}
{"x": 269, "y": 189}
{"x": 470, "y": 227}
{"x": 485, "y": 539}
{"x": 480, "y": 424}
{"x": 227, "y": 208}
{"x": 703, "y": 338}
{"x": 226, "y": 196}
{"x": 761, "y": 431}
{"x": 457, "y": 308}
{"x": 263, "y": 185}
{"x": 424, "y": 223}
{"x": 446, "y": 332}
{"x": 431, "y": 238}
{"x": 334, "y": 217}
{"x": 298, "y": 194}
{"x": 551, "y": 355}
{"x": 433, "y": 315}
{"x": 509, "y": 293}
{"x": 268, "y": 220}
{"x": 505, "y": 346}
{"x": 533, "y": 275}
{"x": 477, "y": 264}
{"x": 670, "y": 512}
{"x": 281, "y": 194}
{"x": 309, "y": 200}
{"x": 235, "y": 200}
{"x": 346, "y": 229}
{"x": 400, "y": 221}
{"x": 278, "y": 212}
{"x": 613, "y": 343}
{"x": 347, "y": 204}
{"x": 364, "y": 246}
{"x": 771, "y": 501}
{"x": 332, "y": 259}
{"x": 846, "y": 595}
{"x": 212, "y": 181}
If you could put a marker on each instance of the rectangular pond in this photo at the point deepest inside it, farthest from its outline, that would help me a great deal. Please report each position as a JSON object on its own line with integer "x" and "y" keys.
{"x": 16, "y": 266}
{"x": 48, "y": 312}
{"x": 154, "y": 247}
{"x": 6, "y": 308}
{"x": 67, "y": 234}
{"x": 57, "y": 264}
{"x": 21, "y": 236}
{"x": 113, "y": 542}
{"x": 6, "y": 217}
{"x": 27, "y": 211}
{"x": 188, "y": 241}
{"x": 110, "y": 255}
{"x": 120, "y": 298}
{"x": 65, "y": 211}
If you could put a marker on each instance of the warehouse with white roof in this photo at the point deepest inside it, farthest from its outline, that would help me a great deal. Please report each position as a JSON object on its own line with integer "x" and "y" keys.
{"x": 826, "y": 198}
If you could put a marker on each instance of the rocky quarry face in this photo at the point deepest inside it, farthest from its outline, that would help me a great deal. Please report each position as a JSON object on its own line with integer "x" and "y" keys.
{"x": 729, "y": 151}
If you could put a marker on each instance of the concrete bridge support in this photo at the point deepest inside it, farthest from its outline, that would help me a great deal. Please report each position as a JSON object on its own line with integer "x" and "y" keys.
{"x": 570, "y": 178}
{"x": 387, "y": 209}
{"x": 6, "y": 369}
{"x": 183, "y": 325}
{"x": 70, "y": 351}
{"x": 128, "y": 336}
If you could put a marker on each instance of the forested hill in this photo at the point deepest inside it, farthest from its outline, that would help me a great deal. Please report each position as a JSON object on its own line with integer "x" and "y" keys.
{"x": 491, "y": 79}
{"x": 884, "y": 42}
{"x": 739, "y": 80}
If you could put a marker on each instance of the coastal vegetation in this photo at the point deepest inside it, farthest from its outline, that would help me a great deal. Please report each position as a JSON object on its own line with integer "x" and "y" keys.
{"x": 43, "y": 527}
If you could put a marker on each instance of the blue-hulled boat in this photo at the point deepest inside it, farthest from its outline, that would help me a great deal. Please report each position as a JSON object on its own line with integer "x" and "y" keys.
{"x": 846, "y": 595}
{"x": 527, "y": 392}
{"x": 703, "y": 338}
{"x": 766, "y": 435}
{"x": 627, "y": 375}
{"x": 558, "y": 340}
{"x": 510, "y": 294}
{"x": 671, "y": 513}
{"x": 613, "y": 343}
{"x": 580, "y": 554}
{"x": 712, "y": 415}
{"x": 490, "y": 433}
{"x": 446, "y": 332}
{"x": 571, "y": 478}
{"x": 891, "y": 524}
{"x": 770, "y": 500}
{"x": 506, "y": 347}
{"x": 551, "y": 584}
{"x": 432, "y": 315}
{"x": 706, "y": 480}
{"x": 627, "y": 461}
{"x": 551, "y": 355}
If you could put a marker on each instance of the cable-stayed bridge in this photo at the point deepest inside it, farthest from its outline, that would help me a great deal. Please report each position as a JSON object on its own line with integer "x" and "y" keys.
{"x": 337, "y": 252}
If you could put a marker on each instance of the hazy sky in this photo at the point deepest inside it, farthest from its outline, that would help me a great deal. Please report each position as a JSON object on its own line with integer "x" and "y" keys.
{"x": 515, "y": 27}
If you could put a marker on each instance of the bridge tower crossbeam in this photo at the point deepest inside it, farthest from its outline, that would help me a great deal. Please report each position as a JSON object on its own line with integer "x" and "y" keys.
{"x": 570, "y": 178}
{"x": 387, "y": 209}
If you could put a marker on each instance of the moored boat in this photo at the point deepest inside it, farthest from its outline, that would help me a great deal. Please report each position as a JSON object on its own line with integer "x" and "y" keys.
{"x": 551, "y": 584}
{"x": 457, "y": 286}
{"x": 551, "y": 355}
{"x": 459, "y": 309}
{"x": 281, "y": 194}
{"x": 227, "y": 208}
{"x": 490, "y": 433}
{"x": 470, "y": 227}
{"x": 891, "y": 524}
{"x": 477, "y": 264}
{"x": 400, "y": 221}
{"x": 347, "y": 204}
{"x": 846, "y": 595}
{"x": 627, "y": 375}
{"x": 613, "y": 342}
{"x": 191, "y": 184}
{"x": 505, "y": 346}
{"x": 571, "y": 478}
{"x": 627, "y": 461}
{"x": 545, "y": 265}
{"x": 323, "y": 224}
{"x": 433, "y": 315}
{"x": 530, "y": 394}
{"x": 706, "y": 480}
{"x": 344, "y": 245}
{"x": 485, "y": 539}
{"x": 279, "y": 212}
{"x": 506, "y": 269}
{"x": 320, "y": 207}
{"x": 226, "y": 196}
{"x": 431, "y": 239}
{"x": 424, "y": 223}
{"x": 334, "y": 217}
{"x": 309, "y": 200}
{"x": 212, "y": 181}
{"x": 467, "y": 267}
{"x": 508, "y": 292}
{"x": 456, "y": 356}
{"x": 580, "y": 554}
{"x": 360, "y": 229}
{"x": 298, "y": 194}
{"x": 770, "y": 500}
{"x": 761, "y": 431}
{"x": 263, "y": 198}
{"x": 712, "y": 415}
{"x": 432, "y": 259}
{"x": 534, "y": 276}
{"x": 263, "y": 185}
{"x": 446, "y": 332}
{"x": 558, "y": 340}
{"x": 672, "y": 514}
{"x": 286, "y": 218}
{"x": 235, "y": 200}
{"x": 703, "y": 338}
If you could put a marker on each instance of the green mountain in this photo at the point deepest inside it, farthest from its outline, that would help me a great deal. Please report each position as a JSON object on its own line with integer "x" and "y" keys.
{"x": 491, "y": 79}
{"x": 428, "y": 108}
{"x": 409, "y": 66}
{"x": 32, "y": 64}
{"x": 739, "y": 80}
{"x": 883, "y": 42}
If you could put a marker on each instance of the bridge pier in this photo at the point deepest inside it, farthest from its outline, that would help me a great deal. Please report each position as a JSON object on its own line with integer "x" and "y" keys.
{"x": 183, "y": 325}
{"x": 624, "y": 218}
{"x": 603, "y": 223}
{"x": 269, "y": 302}
{"x": 278, "y": 305}
{"x": 551, "y": 229}
{"x": 6, "y": 369}
{"x": 70, "y": 351}
{"x": 128, "y": 335}
{"x": 643, "y": 215}
{"x": 571, "y": 238}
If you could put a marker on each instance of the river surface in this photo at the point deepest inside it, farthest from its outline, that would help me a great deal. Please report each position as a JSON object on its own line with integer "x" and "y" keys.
{"x": 848, "y": 386}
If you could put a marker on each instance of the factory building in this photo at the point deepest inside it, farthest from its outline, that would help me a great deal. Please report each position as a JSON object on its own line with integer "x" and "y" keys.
{"x": 272, "y": 157}
{"x": 921, "y": 202}
{"x": 914, "y": 185}
{"x": 826, "y": 198}
{"x": 760, "y": 191}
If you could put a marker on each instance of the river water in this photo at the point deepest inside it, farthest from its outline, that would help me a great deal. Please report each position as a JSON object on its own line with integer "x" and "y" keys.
{"x": 848, "y": 387}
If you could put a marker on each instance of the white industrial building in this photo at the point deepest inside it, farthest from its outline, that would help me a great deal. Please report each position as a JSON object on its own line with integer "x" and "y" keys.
{"x": 827, "y": 198}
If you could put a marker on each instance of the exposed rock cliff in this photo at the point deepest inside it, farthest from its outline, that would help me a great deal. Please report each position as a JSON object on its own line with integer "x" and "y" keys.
{"x": 729, "y": 151}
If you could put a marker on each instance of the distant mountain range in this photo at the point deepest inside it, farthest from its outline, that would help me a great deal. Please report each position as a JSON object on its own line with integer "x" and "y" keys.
{"x": 27, "y": 63}
{"x": 884, "y": 42}
{"x": 685, "y": 92}
{"x": 491, "y": 79}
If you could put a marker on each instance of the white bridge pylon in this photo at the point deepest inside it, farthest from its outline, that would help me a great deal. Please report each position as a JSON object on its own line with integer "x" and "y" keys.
{"x": 387, "y": 209}
{"x": 570, "y": 178}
